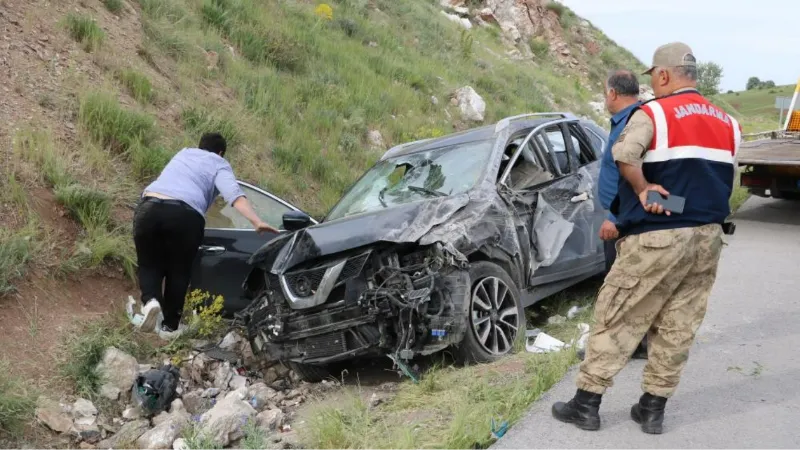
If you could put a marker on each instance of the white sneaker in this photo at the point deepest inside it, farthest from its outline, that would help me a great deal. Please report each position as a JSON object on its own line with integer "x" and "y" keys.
{"x": 151, "y": 312}
{"x": 168, "y": 334}
{"x": 135, "y": 318}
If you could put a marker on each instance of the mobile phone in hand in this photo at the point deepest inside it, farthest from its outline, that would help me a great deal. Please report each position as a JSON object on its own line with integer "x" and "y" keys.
{"x": 673, "y": 203}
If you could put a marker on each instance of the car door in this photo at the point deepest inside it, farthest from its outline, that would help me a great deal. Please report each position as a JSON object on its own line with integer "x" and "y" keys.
{"x": 221, "y": 264}
{"x": 558, "y": 208}
{"x": 573, "y": 198}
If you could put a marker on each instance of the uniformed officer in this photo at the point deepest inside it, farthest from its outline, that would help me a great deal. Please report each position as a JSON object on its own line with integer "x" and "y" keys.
{"x": 679, "y": 144}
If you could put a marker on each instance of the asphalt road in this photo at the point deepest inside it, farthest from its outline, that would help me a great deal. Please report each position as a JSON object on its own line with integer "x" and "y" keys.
{"x": 741, "y": 386}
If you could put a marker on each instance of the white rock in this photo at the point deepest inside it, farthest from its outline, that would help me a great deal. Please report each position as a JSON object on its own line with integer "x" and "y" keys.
{"x": 471, "y": 104}
{"x": 180, "y": 444}
{"x": 118, "y": 369}
{"x": 177, "y": 406}
{"x": 164, "y": 434}
{"x": 53, "y": 415}
{"x": 239, "y": 394}
{"x": 230, "y": 341}
{"x": 238, "y": 382}
{"x": 434, "y": 100}
{"x": 375, "y": 140}
{"x": 83, "y": 408}
{"x": 598, "y": 107}
{"x": 262, "y": 395}
{"x": 225, "y": 421}
{"x": 270, "y": 419}
{"x": 645, "y": 93}
{"x": 110, "y": 392}
{"x": 132, "y": 413}
{"x": 210, "y": 392}
{"x": 557, "y": 319}
{"x": 127, "y": 435}
{"x": 223, "y": 375}
{"x": 458, "y": 19}
{"x": 511, "y": 31}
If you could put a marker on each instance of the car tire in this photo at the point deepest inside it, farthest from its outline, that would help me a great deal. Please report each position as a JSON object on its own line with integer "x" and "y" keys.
{"x": 308, "y": 372}
{"x": 479, "y": 344}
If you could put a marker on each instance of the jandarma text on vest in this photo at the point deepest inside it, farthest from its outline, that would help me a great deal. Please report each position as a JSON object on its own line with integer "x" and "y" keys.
{"x": 696, "y": 108}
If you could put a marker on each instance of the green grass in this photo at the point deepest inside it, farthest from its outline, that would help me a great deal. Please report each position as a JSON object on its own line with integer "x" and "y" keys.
{"x": 137, "y": 84}
{"x": 17, "y": 402}
{"x": 82, "y": 350}
{"x": 453, "y": 407}
{"x": 115, "y": 6}
{"x": 85, "y": 31}
{"x": 197, "y": 439}
{"x": 36, "y": 146}
{"x": 115, "y": 127}
{"x": 89, "y": 206}
{"x": 16, "y": 251}
{"x": 755, "y": 108}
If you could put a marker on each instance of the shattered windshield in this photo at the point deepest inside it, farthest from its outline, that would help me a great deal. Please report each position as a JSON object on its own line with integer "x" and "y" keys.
{"x": 438, "y": 172}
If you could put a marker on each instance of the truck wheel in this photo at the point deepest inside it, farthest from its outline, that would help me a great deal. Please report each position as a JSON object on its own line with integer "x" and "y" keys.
{"x": 495, "y": 314}
{"x": 308, "y": 372}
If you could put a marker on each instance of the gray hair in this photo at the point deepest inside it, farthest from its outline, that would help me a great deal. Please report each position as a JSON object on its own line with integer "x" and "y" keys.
{"x": 624, "y": 82}
{"x": 686, "y": 72}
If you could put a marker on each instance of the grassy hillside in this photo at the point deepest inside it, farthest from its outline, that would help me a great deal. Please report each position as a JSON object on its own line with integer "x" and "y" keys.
{"x": 756, "y": 107}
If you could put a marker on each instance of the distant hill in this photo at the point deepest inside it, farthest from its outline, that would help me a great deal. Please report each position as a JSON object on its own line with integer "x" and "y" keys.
{"x": 756, "y": 107}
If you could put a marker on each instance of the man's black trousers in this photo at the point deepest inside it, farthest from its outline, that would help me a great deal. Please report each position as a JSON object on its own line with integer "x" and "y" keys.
{"x": 167, "y": 234}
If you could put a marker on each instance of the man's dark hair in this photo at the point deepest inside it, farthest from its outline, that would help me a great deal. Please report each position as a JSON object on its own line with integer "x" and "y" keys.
{"x": 624, "y": 82}
{"x": 214, "y": 143}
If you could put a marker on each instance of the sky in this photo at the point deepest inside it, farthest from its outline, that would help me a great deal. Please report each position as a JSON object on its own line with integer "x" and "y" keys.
{"x": 746, "y": 37}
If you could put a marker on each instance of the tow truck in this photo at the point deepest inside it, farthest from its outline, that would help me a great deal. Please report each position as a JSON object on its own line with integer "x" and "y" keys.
{"x": 770, "y": 166}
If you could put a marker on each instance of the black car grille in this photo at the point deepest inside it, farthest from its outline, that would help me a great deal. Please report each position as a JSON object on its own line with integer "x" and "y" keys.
{"x": 325, "y": 345}
{"x": 304, "y": 283}
{"x": 353, "y": 267}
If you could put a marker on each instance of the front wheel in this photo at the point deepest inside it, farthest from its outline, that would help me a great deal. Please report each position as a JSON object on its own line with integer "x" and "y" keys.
{"x": 495, "y": 315}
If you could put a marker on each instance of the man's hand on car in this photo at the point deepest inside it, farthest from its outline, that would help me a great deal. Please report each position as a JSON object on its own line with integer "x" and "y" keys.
{"x": 608, "y": 231}
{"x": 263, "y": 227}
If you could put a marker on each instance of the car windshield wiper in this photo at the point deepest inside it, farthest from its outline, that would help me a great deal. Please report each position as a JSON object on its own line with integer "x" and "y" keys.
{"x": 425, "y": 190}
{"x": 380, "y": 197}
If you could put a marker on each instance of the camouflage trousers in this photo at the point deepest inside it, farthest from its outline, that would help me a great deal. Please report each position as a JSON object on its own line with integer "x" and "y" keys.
{"x": 659, "y": 285}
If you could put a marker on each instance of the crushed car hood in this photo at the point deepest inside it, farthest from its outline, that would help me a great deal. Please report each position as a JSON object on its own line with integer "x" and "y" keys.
{"x": 402, "y": 223}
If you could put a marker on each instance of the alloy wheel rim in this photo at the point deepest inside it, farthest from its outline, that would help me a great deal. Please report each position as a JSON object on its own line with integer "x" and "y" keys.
{"x": 494, "y": 315}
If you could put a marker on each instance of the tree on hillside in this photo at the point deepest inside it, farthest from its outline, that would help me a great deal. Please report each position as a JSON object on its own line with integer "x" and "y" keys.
{"x": 769, "y": 84}
{"x": 709, "y": 75}
{"x": 753, "y": 83}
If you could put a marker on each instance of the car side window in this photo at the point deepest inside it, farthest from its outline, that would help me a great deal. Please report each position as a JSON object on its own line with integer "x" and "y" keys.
{"x": 582, "y": 145}
{"x": 554, "y": 138}
{"x": 222, "y": 215}
{"x": 530, "y": 169}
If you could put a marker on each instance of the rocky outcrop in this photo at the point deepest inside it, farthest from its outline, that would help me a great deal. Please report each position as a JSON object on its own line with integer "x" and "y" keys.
{"x": 470, "y": 104}
{"x": 118, "y": 370}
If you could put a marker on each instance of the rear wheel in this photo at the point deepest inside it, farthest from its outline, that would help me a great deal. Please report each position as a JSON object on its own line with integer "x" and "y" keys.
{"x": 495, "y": 315}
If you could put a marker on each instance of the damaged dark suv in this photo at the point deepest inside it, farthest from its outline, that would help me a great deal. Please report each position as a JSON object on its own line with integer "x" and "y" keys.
{"x": 441, "y": 244}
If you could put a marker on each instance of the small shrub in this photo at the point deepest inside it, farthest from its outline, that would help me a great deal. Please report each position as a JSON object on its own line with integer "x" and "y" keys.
{"x": 148, "y": 161}
{"x": 171, "y": 11}
{"x": 556, "y": 7}
{"x": 349, "y": 26}
{"x": 730, "y": 91}
{"x": 198, "y": 121}
{"x": 137, "y": 84}
{"x": 16, "y": 250}
{"x": 37, "y": 147}
{"x": 17, "y": 402}
{"x": 175, "y": 44}
{"x": 324, "y": 11}
{"x": 608, "y": 58}
{"x": 83, "y": 350}
{"x": 205, "y": 312}
{"x": 85, "y": 31}
{"x": 466, "y": 42}
{"x": 115, "y": 6}
{"x": 102, "y": 245}
{"x": 540, "y": 47}
{"x": 90, "y": 207}
{"x": 113, "y": 126}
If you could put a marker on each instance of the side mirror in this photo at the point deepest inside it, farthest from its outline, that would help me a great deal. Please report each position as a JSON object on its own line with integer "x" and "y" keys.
{"x": 295, "y": 220}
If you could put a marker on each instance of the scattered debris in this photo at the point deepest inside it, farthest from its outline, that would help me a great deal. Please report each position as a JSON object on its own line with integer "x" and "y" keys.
{"x": 53, "y": 415}
{"x": 155, "y": 389}
{"x": 544, "y": 343}
{"x": 575, "y": 310}
{"x": 556, "y": 320}
{"x": 499, "y": 431}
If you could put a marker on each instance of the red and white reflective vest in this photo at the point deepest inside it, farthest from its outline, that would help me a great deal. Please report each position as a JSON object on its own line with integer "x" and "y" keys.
{"x": 692, "y": 154}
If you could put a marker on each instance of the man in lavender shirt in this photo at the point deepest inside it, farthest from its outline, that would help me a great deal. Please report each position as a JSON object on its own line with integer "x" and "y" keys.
{"x": 169, "y": 223}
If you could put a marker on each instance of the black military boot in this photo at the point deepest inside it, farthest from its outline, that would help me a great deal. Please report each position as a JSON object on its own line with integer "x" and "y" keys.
{"x": 582, "y": 410}
{"x": 649, "y": 413}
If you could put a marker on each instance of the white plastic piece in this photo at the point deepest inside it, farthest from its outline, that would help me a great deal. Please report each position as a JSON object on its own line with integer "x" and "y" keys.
{"x": 544, "y": 343}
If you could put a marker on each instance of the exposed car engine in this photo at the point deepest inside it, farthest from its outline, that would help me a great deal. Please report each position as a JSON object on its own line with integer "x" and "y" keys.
{"x": 401, "y": 300}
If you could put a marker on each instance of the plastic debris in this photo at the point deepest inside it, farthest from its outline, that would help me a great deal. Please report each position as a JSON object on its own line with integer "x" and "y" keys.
{"x": 544, "y": 343}
{"x": 404, "y": 368}
{"x": 155, "y": 389}
{"x": 134, "y": 318}
{"x": 574, "y": 311}
{"x": 584, "y": 329}
{"x": 498, "y": 432}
